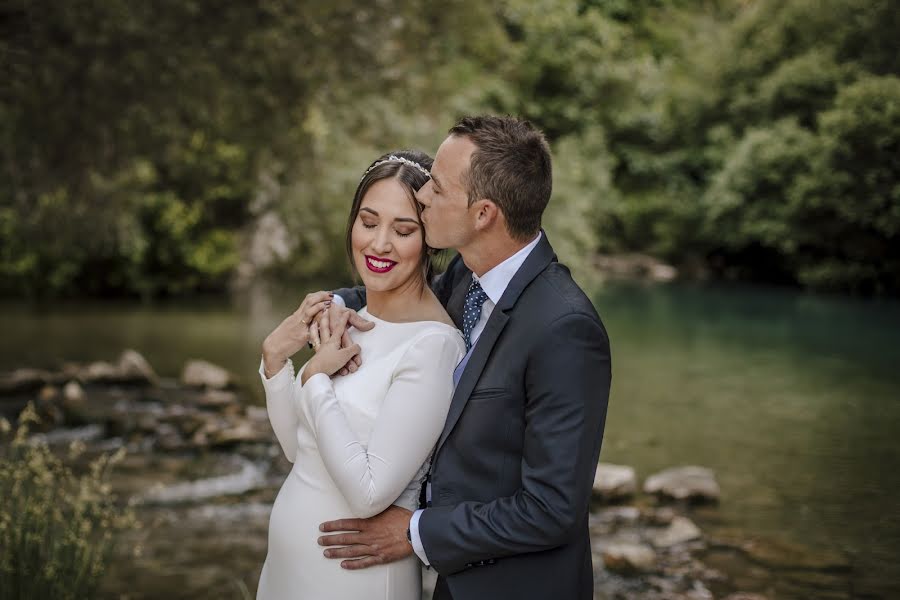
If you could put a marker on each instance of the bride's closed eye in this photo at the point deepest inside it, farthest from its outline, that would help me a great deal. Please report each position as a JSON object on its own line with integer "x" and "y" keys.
{"x": 400, "y": 233}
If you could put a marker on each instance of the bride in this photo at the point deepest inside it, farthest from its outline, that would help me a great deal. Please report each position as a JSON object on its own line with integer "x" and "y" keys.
{"x": 360, "y": 442}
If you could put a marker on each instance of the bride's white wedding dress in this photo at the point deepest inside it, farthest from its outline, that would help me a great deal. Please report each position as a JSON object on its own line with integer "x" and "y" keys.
{"x": 359, "y": 443}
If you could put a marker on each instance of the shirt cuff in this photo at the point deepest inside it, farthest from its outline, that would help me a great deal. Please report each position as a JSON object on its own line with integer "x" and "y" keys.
{"x": 418, "y": 548}
{"x": 279, "y": 380}
{"x": 338, "y": 300}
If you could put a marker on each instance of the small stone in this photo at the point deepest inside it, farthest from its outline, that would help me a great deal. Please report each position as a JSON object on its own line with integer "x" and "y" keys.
{"x": 627, "y": 515}
{"x": 629, "y": 558}
{"x": 168, "y": 437}
{"x": 99, "y": 372}
{"x": 200, "y": 373}
{"x": 134, "y": 367}
{"x": 243, "y": 432}
{"x": 48, "y": 393}
{"x": 698, "y": 592}
{"x": 614, "y": 482}
{"x": 217, "y": 398}
{"x": 658, "y": 516}
{"x": 73, "y": 394}
{"x": 684, "y": 483}
{"x": 200, "y": 439}
{"x": 258, "y": 414}
{"x": 147, "y": 422}
{"x": 679, "y": 531}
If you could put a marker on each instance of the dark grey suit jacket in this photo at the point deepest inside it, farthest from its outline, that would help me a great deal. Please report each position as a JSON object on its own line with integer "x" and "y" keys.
{"x": 514, "y": 466}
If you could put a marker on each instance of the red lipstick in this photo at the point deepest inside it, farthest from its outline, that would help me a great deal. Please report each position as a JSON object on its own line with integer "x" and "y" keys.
{"x": 379, "y": 265}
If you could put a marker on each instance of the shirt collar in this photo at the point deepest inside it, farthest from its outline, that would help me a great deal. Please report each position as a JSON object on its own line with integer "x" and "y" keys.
{"x": 495, "y": 281}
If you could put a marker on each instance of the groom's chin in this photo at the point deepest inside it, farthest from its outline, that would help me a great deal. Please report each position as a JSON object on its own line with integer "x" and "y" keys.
{"x": 435, "y": 244}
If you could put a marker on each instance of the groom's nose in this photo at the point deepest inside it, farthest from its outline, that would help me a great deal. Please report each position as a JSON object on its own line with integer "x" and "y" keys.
{"x": 421, "y": 195}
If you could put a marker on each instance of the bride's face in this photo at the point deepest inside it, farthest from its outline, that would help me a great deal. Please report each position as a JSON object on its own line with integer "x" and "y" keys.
{"x": 386, "y": 238}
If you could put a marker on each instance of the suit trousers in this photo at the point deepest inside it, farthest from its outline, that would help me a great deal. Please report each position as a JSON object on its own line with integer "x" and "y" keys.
{"x": 441, "y": 590}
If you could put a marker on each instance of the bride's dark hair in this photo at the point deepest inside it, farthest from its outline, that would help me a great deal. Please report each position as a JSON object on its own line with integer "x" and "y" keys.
{"x": 411, "y": 179}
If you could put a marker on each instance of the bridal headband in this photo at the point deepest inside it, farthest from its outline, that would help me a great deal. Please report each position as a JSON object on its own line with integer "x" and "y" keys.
{"x": 391, "y": 158}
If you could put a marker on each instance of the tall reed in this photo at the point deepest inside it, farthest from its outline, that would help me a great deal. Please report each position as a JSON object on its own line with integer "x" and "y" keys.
{"x": 58, "y": 529}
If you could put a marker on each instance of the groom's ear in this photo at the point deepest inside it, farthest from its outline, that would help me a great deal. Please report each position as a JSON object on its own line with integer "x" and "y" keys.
{"x": 487, "y": 215}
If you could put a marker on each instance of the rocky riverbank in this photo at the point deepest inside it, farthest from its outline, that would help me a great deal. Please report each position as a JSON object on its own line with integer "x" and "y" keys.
{"x": 203, "y": 467}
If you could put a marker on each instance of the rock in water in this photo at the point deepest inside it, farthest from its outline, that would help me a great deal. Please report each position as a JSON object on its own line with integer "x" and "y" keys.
{"x": 134, "y": 367}
{"x": 23, "y": 380}
{"x": 217, "y": 399}
{"x": 73, "y": 393}
{"x": 629, "y": 558}
{"x": 99, "y": 372}
{"x": 200, "y": 373}
{"x": 614, "y": 482}
{"x": 684, "y": 483}
{"x": 679, "y": 531}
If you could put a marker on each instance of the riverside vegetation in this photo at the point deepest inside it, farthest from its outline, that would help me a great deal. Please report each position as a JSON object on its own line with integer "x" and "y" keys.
{"x": 58, "y": 529}
{"x": 151, "y": 150}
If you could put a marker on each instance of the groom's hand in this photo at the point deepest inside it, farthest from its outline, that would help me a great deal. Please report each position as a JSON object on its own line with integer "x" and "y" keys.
{"x": 374, "y": 541}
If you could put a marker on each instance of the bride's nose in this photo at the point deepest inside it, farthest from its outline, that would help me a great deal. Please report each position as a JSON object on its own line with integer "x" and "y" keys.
{"x": 382, "y": 242}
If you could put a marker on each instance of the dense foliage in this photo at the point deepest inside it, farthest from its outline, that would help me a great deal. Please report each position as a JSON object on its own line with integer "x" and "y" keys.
{"x": 173, "y": 147}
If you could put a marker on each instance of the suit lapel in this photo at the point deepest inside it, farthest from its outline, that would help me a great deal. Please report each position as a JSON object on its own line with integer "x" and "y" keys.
{"x": 537, "y": 261}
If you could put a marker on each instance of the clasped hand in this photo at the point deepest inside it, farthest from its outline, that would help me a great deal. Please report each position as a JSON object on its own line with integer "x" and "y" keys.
{"x": 329, "y": 336}
{"x": 304, "y": 326}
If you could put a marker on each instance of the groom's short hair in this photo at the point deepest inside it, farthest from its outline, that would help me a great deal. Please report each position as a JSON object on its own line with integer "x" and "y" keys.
{"x": 511, "y": 167}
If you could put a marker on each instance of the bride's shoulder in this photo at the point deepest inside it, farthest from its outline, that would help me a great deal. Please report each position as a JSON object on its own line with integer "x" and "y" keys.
{"x": 435, "y": 311}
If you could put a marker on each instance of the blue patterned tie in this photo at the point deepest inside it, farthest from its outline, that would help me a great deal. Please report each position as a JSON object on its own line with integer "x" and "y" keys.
{"x": 475, "y": 297}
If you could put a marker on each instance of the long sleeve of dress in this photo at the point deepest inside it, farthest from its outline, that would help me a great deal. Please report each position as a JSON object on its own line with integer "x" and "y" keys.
{"x": 279, "y": 393}
{"x": 405, "y": 431}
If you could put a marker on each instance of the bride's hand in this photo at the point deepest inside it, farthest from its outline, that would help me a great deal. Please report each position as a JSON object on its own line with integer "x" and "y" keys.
{"x": 334, "y": 312}
{"x": 293, "y": 333}
{"x": 330, "y": 356}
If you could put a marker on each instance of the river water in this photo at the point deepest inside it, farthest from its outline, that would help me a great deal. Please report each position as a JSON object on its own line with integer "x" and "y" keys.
{"x": 793, "y": 399}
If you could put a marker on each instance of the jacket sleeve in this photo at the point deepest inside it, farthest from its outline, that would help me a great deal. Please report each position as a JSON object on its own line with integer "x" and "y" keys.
{"x": 371, "y": 476}
{"x": 354, "y": 297}
{"x": 566, "y": 395}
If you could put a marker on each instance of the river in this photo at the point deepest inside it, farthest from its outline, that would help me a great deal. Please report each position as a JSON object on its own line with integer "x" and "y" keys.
{"x": 793, "y": 399}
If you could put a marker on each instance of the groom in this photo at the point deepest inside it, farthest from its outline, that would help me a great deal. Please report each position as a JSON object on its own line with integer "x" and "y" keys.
{"x": 505, "y": 509}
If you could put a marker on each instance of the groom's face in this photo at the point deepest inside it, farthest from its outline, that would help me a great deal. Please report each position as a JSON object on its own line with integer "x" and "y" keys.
{"x": 444, "y": 198}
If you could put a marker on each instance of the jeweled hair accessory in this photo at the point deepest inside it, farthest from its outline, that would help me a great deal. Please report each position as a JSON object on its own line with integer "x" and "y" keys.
{"x": 391, "y": 158}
